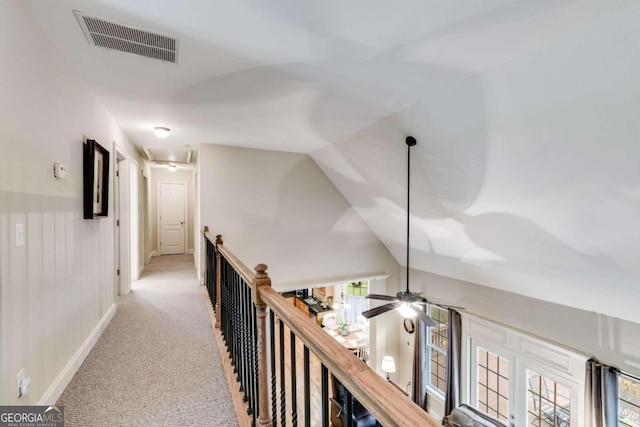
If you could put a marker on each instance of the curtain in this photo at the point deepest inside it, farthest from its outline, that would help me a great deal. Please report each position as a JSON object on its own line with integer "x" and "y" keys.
{"x": 420, "y": 376}
{"x": 454, "y": 354}
{"x": 356, "y": 305}
{"x": 601, "y": 395}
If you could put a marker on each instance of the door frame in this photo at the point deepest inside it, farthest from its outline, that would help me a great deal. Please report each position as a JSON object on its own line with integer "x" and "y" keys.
{"x": 120, "y": 258}
{"x": 186, "y": 213}
{"x": 134, "y": 214}
{"x": 122, "y": 212}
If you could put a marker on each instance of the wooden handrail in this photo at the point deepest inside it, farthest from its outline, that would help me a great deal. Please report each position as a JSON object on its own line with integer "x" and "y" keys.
{"x": 244, "y": 271}
{"x": 386, "y": 402}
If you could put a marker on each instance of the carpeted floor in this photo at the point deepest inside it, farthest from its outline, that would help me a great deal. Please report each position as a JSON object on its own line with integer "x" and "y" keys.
{"x": 157, "y": 363}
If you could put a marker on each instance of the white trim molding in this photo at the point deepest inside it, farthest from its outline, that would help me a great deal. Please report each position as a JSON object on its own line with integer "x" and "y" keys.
{"x": 140, "y": 271}
{"x": 523, "y": 352}
{"x": 61, "y": 382}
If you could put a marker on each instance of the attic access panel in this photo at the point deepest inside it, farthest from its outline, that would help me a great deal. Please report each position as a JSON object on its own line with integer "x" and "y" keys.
{"x": 167, "y": 155}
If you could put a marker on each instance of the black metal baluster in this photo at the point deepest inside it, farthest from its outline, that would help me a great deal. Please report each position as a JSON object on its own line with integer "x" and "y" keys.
{"x": 236, "y": 326}
{"x": 240, "y": 325}
{"x": 226, "y": 313}
{"x": 348, "y": 408}
{"x": 325, "y": 395}
{"x": 272, "y": 341}
{"x": 294, "y": 388}
{"x": 253, "y": 355}
{"x": 238, "y": 330}
{"x": 232, "y": 320}
{"x": 211, "y": 273}
{"x": 307, "y": 389}
{"x": 214, "y": 276}
{"x": 251, "y": 410}
{"x": 254, "y": 359}
{"x": 283, "y": 393}
{"x": 243, "y": 341}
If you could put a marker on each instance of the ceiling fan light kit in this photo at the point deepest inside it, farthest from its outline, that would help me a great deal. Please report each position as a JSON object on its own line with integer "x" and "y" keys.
{"x": 406, "y": 310}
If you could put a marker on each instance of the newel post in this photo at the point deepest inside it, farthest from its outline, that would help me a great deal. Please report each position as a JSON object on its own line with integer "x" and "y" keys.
{"x": 205, "y": 268}
{"x": 218, "y": 279}
{"x": 262, "y": 279}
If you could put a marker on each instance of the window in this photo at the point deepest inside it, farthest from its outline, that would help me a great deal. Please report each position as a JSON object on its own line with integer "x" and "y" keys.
{"x": 522, "y": 380}
{"x": 356, "y": 302}
{"x": 549, "y": 402}
{"x": 438, "y": 346}
{"x": 629, "y": 401}
{"x": 493, "y": 384}
{"x": 358, "y": 289}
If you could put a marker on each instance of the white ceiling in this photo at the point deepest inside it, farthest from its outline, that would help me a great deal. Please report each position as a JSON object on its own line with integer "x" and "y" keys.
{"x": 294, "y": 75}
{"x": 526, "y": 113}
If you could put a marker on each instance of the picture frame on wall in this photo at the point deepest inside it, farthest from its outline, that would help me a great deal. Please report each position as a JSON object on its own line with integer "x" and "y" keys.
{"x": 96, "y": 180}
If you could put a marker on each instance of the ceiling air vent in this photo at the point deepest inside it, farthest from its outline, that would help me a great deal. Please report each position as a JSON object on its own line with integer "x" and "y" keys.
{"x": 127, "y": 39}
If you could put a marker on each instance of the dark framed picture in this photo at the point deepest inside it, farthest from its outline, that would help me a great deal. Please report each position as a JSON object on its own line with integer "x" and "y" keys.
{"x": 409, "y": 326}
{"x": 96, "y": 180}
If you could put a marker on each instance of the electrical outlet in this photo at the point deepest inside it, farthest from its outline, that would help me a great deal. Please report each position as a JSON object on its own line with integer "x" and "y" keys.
{"x": 19, "y": 378}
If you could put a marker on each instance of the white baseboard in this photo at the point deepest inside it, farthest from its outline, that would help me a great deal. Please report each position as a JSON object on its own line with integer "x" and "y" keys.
{"x": 189, "y": 251}
{"x": 152, "y": 254}
{"x": 140, "y": 270}
{"x": 64, "y": 378}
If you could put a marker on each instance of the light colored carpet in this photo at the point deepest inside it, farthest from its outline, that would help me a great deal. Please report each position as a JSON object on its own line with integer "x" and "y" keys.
{"x": 157, "y": 363}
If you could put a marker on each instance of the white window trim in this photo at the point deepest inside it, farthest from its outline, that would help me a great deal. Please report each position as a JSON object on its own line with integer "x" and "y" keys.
{"x": 524, "y": 352}
{"x": 434, "y": 391}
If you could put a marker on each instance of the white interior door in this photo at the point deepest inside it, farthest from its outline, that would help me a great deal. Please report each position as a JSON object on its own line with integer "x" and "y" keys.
{"x": 172, "y": 212}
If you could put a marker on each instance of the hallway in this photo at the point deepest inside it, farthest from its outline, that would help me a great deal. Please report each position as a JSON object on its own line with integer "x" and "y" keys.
{"x": 156, "y": 363}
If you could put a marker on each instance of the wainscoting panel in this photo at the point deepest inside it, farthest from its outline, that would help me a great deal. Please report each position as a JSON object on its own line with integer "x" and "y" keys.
{"x": 56, "y": 290}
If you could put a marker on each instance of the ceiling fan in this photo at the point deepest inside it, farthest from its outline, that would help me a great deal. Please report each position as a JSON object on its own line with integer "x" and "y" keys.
{"x": 409, "y": 304}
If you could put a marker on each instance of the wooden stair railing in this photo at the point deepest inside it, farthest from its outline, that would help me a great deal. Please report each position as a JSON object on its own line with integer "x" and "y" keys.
{"x": 240, "y": 298}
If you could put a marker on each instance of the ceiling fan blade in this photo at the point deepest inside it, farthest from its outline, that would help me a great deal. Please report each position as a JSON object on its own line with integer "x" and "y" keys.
{"x": 381, "y": 297}
{"x": 379, "y": 310}
{"x": 426, "y": 319}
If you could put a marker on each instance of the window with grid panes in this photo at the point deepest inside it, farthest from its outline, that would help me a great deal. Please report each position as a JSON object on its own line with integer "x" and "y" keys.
{"x": 438, "y": 348}
{"x": 628, "y": 401}
{"x": 358, "y": 289}
{"x": 493, "y": 384}
{"x": 548, "y": 402}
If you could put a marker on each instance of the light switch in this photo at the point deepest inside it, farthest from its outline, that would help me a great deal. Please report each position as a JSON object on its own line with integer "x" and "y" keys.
{"x": 19, "y": 235}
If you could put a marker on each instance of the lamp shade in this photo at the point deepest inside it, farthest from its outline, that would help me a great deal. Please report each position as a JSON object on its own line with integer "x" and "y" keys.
{"x": 388, "y": 365}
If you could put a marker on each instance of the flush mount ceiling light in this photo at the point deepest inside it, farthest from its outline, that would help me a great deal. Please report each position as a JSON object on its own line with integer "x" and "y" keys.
{"x": 172, "y": 168}
{"x": 161, "y": 132}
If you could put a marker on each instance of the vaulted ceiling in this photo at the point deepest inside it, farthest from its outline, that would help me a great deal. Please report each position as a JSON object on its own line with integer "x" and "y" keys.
{"x": 526, "y": 115}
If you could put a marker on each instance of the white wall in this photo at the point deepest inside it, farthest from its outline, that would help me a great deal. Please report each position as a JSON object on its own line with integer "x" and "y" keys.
{"x": 613, "y": 341}
{"x": 280, "y": 209}
{"x": 162, "y": 174}
{"x": 59, "y": 287}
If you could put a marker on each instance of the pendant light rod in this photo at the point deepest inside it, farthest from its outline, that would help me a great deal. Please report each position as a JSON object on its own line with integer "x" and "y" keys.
{"x": 411, "y": 141}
